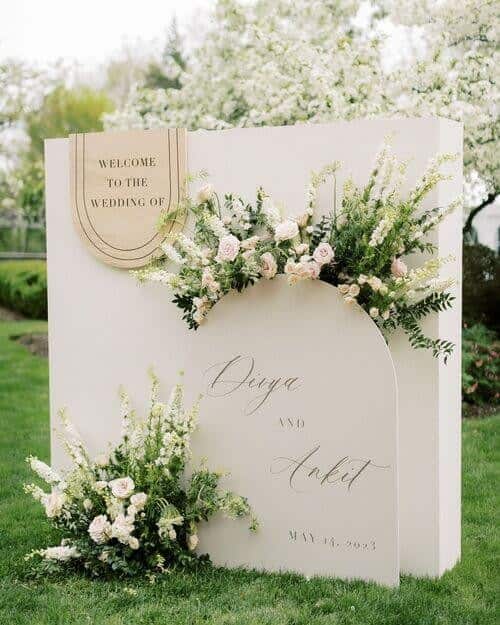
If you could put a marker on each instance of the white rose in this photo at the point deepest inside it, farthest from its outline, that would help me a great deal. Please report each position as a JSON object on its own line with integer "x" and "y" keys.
{"x": 100, "y": 486}
{"x": 139, "y": 500}
{"x": 302, "y": 248}
{"x": 250, "y": 243}
{"x": 63, "y": 553}
{"x": 398, "y": 268}
{"x": 100, "y": 529}
{"x": 269, "y": 266}
{"x": 343, "y": 288}
{"x": 122, "y": 527}
{"x": 362, "y": 278}
{"x": 229, "y": 246}
{"x": 172, "y": 534}
{"x": 353, "y": 290}
{"x": 87, "y": 505}
{"x": 301, "y": 271}
{"x": 374, "y": 312}
{"x": 205, "y": 193}
{"x": 385, "y": 315}
{"x": 54, "y": 503}
{"x": 286, "y": 230}
{"x": 133, "y": 543}
{"x": 192, "y": 542}
{"x": 122, "y": 487}
{"x": 323, "y": 254}
{"x": 375, "y": 283}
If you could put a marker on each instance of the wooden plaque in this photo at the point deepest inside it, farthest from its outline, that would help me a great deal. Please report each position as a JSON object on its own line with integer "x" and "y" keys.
{"x": 120, "y": 183}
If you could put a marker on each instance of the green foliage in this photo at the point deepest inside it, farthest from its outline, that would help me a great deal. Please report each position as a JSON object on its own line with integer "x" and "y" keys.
{"x": 466, "y": 595}
{"x": 481, "y": 286}
{"x": 31, "y": 202}
{"x": 23, "y": 287}
{"x": 22, "y": 239}
{"x": 167, "y": 74}
{"x": 65, "y": 111}
{"x": 480, "y": 365}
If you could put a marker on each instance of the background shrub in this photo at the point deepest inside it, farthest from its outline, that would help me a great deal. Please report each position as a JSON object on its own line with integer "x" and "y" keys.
{"x": 480, "y": 365}
{"x": 481, "y": 286}
{"x": 23, "y": 287}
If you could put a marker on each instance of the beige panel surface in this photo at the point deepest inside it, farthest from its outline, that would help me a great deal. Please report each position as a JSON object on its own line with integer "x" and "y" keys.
{"x": 300, "y": 406}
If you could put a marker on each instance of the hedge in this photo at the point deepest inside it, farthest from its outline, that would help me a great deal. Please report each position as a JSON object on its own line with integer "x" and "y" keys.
{"x": 23, "y": 287}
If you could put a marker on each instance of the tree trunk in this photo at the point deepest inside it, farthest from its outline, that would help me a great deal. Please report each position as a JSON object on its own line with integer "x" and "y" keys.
{"x": 468, "y": 222}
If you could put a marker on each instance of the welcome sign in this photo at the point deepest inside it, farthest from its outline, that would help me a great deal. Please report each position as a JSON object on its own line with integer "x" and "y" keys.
{"x": 120, "y": 183}
{"x": 307, "y": 428}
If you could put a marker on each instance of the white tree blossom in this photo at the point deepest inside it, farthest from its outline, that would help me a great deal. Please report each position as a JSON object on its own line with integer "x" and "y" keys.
{"x": 274, "y": 62}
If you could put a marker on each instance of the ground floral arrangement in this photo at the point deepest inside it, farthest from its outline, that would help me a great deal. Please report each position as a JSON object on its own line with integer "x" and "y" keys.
{"x": 132, "y": 511}
{"x": 358, "y": 248}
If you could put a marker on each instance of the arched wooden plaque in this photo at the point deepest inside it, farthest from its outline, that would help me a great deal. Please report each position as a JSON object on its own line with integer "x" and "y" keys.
{"x": 300, "y": 405}
{"x": 120, "y": 183}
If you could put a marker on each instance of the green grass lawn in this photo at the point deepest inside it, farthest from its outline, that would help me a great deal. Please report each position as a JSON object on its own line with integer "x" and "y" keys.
{"x": 466, "y": 595}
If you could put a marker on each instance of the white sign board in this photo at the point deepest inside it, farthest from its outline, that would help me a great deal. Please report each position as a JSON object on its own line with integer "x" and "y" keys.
{"x": 300, "y": 406}
{"x": 105, "y": 330}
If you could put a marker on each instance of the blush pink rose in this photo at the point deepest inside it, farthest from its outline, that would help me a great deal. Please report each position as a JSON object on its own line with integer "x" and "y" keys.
{"x": 323, "y": 254}
{"x": 398, "y": 268}
{"x": 286, "y": 230}
{"x": 268, "y": 265}
{"x": 229, "y": 246}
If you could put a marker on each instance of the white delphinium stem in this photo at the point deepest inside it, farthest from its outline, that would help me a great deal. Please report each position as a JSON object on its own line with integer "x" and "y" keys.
{"x": 189, "y": 247}
{"x": 399, "y": 178}
{"x": 382, "y": 230}
{"x": 416, "y": 278}
{"x": 155, "y": 384}
{"x": 432, "y": 221}
{"x": 390, "y": 167}
{"x": 317, "y": 180}
{"x": 431, "y": 177}
{"x": 72, "y": 441}
{"x": 44, "y": 471}
{"x": 35, "y": 491}
{"x": 125, "y": 413}
{"x": 172, "y": 254}
{"x": 376, "y": 177}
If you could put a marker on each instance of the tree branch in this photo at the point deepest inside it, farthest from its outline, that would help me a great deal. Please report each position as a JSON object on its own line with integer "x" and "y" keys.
{"x": 468, "y": 222}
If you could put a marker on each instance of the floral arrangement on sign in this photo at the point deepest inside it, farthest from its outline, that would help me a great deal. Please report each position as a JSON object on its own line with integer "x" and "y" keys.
{"x": 358, "y": 248}
{"x": 132, "y": 511}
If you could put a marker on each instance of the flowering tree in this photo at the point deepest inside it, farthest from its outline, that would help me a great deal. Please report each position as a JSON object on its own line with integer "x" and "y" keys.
{"x": 269, "y": 63}
{"x": 456, "y": 78}
{"x": 274, "y": 62}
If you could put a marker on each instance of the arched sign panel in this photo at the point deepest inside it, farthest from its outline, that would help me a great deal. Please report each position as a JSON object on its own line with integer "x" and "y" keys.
{"x": 300, "y": 406}
{"x": 119, "y": 192}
